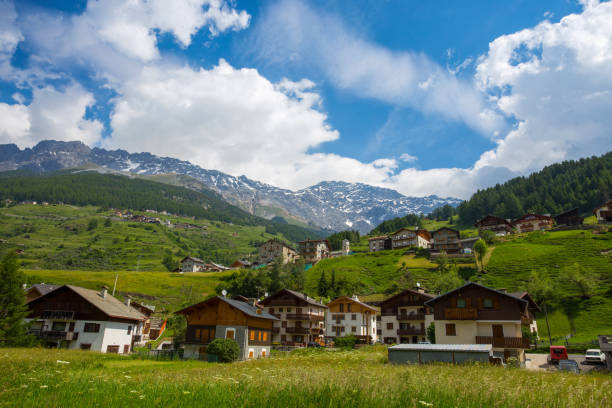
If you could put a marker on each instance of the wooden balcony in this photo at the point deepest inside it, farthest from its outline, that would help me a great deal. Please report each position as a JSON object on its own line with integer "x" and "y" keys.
{"x": 55, "y": 334}
{"x": 305, "y": 316}
{"x": 297, "y": 330}
{"x": 416, "y": 331}
{"x": 460, "y": 313}
{"x": 504, "y": 342}
{"x": 410, "y": 316}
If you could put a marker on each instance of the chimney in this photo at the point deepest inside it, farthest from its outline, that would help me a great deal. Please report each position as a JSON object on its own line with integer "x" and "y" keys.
{"x": 128, "y": 301}
{"x": 503, "y": 290}
{"x": 104, "y": 291}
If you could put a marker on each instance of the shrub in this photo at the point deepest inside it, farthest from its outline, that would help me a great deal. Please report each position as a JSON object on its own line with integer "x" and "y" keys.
{"x": 346, "y": 341}
{"x": 225, "y": 349}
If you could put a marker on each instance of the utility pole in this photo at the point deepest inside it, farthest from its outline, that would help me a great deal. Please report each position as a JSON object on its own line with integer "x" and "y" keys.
{"x": 115, "y": 285}
{"x": 547, "y": 325}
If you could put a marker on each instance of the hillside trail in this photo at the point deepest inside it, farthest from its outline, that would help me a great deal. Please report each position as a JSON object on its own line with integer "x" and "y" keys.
{"x": 485, "y": 259}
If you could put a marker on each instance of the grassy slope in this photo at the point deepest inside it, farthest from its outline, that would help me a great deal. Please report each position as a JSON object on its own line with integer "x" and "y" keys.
{"x": 361, "y": 378}
{"x": 60, "y": 239}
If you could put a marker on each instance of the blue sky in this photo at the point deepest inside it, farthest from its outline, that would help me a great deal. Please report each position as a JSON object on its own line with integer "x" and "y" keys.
{"x": 424, "y": 97}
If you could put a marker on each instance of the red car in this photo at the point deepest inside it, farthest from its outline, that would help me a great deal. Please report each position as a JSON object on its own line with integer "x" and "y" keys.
{"x": 557, "y": 353}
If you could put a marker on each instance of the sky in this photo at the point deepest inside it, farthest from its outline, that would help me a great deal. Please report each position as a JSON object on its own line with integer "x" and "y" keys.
{"x": 437, "y": 97}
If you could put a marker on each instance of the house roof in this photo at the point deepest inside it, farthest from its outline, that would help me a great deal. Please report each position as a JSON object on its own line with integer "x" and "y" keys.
{"x": 498, "y": 219}
{"x": 326, "y": 242}
{"x": 525, "y": 296}
{"x": 403, "y": 229}
{"x": 411, "y": 291}
{"x": 44, "y": 288}
{"x": 108, "y": 305}
{"x": 445, "y": 228}
{"x": 193, "y": 258}
{"x": 280, "y": 242}
{"x": 378, "y": 237}
{"x": 470, "y": 239}
{"x": 606, "y": 204}
{"x": 244, "y": 307}
{"x": 299, "y": 295}
{"x": 444, "y": 347}
{"x": 353, "y": 300}
{"x": 431, "y": 302}
{"x": 568, "y": 212}
{"x": 537, "y": 216}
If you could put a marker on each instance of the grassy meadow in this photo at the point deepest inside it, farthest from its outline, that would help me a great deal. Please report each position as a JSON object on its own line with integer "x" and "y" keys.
{"x": 356, "y": 378}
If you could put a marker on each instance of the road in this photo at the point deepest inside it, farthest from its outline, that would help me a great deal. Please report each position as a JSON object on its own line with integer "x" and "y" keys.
{"x": 538, "y": 362}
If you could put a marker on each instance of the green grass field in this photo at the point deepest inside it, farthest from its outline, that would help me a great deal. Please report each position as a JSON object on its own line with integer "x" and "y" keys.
{"x": 57, "y": 237}
{"x": 358, "y": 378}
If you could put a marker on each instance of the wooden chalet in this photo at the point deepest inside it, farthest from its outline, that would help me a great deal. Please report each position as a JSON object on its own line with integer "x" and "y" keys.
{"x": 220, "y": 317}
{"x": 533, "y": 222}
{"x": 379, "y": 243}
{"x": 404, "y": 317}
{"x": 604, "y": 212}
{"x": 406, "y": 237}
{"x": 447, "y": 240}
{"x": 499, "y": 226}
{"x": 571, "y": 217}
{"x": 476, "y": 314}
{"x": 302, "y": 318}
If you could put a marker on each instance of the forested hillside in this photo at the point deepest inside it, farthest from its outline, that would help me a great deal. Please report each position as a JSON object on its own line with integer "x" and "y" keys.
{"x": 90, "y": 188}
{"x": 585, "y": 184}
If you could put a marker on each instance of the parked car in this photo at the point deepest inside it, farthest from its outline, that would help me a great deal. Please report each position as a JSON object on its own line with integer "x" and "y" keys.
{"x": 557, "y": 353}
{"x": 594, "y": 356}
{"x": 569, "y": 365}
{"x": 314, "y": 344}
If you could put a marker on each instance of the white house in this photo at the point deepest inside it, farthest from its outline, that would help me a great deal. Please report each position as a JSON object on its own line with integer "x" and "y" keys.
{"x": 77, "y": 318}
{"x": 192, "y": 264}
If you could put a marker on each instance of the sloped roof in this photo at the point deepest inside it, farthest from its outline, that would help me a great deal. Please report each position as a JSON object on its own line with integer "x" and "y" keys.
{"x": 299, "y": 295}
{"x": 378, "y": 237}
{"x": 244, "y": 307}
{"x": 444, "y": 228}
{"x": 193, "y": 258}
{"x": 108, "y": 305}
{"x": 411, "y": 291}
{"x": 354, "y": 300}
{"x": 525, "y": 296}
{"x": 44, "y": 288}
{"x": 434, "y": 300}
{"x": 484, "y": 348}
{"x": 498, "y": 219}
{"x": 536, "y": 216}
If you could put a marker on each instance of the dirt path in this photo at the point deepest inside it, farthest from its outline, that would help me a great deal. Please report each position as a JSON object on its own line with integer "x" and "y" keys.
{"x": 487, "y": 256}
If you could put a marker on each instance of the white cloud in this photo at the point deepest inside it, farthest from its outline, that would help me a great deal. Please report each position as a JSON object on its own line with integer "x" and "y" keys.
{"x": 53, "y": 114}
{"x": 408, "y": 158}
{"x": 292, "y": 31}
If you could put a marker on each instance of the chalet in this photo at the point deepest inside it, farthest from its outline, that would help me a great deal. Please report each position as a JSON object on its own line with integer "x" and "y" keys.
{"x": 571, "y": 217}
{"x": 77, "y": 318}
{"x": 38, "y": 290}
{"x": 241, "y": 264}
{"x": 192, "y": 264}
{"x": 379, "y": 243}
{"x": 153, "y": 326}
{"x": 313, "y": 251}
{"x": 533, "y": 222}
{"x": 272, "y": 249}
{"x": 499, "y": 226}
{"x": 302, "y": 319}
{"x": 467, "y": 244}
{"x": 348, "y": 315}
{"x": 222, "y": 318}
{"x": 529, "y": 320}
{"x": 405, "y": 318}
{"x": 344, "y": 251}
{"x": 408, "y": 238}
{"x": 446, "y": 239}
{"x": 604, "y": 212}
{"x": 475, "y": 314}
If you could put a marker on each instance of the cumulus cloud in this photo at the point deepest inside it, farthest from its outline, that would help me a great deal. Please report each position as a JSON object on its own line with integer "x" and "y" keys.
{"x": 293, "y": 31}
{"x": 408, "y": 158}
{"x": 53, "y": 114}
{"x": 236, "y": 121}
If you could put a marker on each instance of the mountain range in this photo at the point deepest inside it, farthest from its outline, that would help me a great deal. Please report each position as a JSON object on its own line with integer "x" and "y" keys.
{"x": 331, "y": 205}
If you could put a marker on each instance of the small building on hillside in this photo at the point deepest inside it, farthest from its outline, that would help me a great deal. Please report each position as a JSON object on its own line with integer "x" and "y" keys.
{"x": 240, "y": 264}
{"x": 192, "y": 264}
{"x": 467, "y": 244}
{"x": 348, "y": 315}
{"x": 405, "y": 318}
{"x": 313, "y": 250}
{"x": 406, "y": 237}
{"x": 499, "y": 226}
{"x": 223, "y": 318}
{"x": 571, "y": 217}
{"x": 533, "y": 222}
{"x": 38, "y": 290}
{"x": 604, "y": 212}
{"x": 447, "y": 240}
{"x": 77, "y": 318}
{"x": 344, "y": 251}
{"x": 529, "y": 319}
{"x": 273, "y": 249}
{"x": 475, "y": 314}
{"x": 379, "y": 243}
{"x": 302, "y": 319}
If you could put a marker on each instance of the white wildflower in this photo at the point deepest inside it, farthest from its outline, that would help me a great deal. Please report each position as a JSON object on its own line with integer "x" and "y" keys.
{"x": 44, "y": 386}
{"x": 63, "y": 362}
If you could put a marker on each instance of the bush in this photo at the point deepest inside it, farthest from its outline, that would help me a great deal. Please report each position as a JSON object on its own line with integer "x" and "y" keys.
{"x": 225, "y": 349}
{"x": 346, "y": 341}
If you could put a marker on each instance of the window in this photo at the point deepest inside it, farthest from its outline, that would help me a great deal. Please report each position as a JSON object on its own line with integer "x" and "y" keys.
{"x": 348, "y": 307}
{"x": 126, "y": 349}
{"x": 284, "y": 323}
{"x": 341, "y": 307}
{"x": 461, "y": 303}
{"x": 252, "y": 335}
{"x": 59, "y": 326}
{"x": 91, "y": 328}
{"x": 112, "y": 349}
{"x": 280, "y": 310}
{"x": 353, "y": 317}
{"x": 271, "y": 310}
{"x": 129, "y": 330}
{"x": 265, "y": 336}
{"x": 263, "y": 352}
{"x": 251, "y": 352}
{"x": 288, "y": 310}
{"x": 450, "y": 329}
{"x": 229, "y": 333}
{"x": 259, "y": 335}
{"x": 85, "y": 346}
{"x": 488, "y": 303}
{"x": 354, "y": 329}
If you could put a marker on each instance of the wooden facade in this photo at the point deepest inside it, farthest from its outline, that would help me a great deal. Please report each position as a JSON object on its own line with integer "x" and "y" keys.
{"x": 447, "y": 240}
{"x": 379, "y": 243}
{"x": 571, "y": 217}
{"x": 533, "y": 222}
{"x": 604, "y": 212}
{"x": 499, "y": 226}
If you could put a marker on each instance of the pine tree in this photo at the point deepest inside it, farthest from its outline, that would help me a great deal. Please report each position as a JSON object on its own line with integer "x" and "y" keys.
{"x": 323, "y": 286}
{"x": 13, "y": 310}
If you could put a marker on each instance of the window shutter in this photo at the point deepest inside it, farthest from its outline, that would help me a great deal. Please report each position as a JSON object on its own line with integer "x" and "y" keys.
{"x": 479, "y": 303}
{"x": 495, "y": 303}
